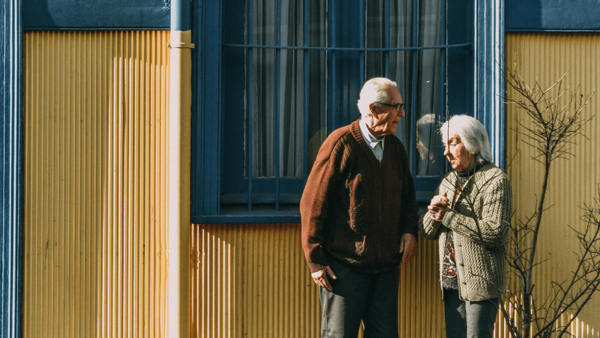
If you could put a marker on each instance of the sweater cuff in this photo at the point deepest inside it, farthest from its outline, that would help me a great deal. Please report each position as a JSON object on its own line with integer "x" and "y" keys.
{"x": 413, "y": 231}
{"x": 314, "y": 267}
{"x": 447, "y": 219}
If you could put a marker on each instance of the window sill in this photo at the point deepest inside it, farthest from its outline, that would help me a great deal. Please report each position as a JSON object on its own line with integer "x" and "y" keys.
{"x": 265, "y": 213}
{"x": 238, "y": 213}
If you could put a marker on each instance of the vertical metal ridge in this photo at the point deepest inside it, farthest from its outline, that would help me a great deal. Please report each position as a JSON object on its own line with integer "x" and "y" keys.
{"x": 252, "y": 280}
{"x": 545, "y": 57}
{"x": 95, "y": 119}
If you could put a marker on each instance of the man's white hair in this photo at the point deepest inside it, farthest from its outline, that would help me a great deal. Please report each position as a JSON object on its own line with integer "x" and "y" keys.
{"x": 472, "y": 133}
{"x": 372, "y": 91}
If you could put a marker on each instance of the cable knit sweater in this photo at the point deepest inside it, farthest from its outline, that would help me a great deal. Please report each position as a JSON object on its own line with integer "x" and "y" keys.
{"x": 355, "y": 208}
{"x": 480, "y": 220}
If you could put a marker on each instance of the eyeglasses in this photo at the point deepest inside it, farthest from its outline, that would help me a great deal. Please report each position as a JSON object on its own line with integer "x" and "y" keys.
{"x": 398, "y": 106}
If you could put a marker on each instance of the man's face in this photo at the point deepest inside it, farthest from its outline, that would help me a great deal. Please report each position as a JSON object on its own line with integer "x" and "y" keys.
{"x": 386, "y": 118}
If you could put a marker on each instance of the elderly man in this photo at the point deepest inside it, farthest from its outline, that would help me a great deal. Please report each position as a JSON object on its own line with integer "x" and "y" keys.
{"x": 359, "y": 218}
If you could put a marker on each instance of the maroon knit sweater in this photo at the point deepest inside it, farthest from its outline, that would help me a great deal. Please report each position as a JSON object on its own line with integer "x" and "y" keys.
{"x": 353, "y": 207}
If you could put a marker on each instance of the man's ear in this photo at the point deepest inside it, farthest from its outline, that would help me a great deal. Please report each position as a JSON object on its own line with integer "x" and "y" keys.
{"x": 372, "y": 110}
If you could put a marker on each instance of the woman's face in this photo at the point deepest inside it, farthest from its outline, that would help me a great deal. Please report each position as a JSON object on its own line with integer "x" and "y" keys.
{"x": 456, "y": 153}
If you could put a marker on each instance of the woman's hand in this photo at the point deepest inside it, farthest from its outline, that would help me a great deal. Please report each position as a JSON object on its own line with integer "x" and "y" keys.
{"x": 437, "y": 207}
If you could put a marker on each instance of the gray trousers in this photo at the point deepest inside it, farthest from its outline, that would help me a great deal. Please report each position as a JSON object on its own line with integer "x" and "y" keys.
{"x": 356, "y": 297}
{"x": 469, "y": 319}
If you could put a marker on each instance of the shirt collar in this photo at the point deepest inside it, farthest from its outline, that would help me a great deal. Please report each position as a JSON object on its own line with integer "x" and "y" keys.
{"x": 368, "y": 137}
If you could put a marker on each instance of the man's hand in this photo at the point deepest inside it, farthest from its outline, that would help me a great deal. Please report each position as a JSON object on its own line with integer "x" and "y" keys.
{"x": 437, "y": 207}
{"x": 320, "y": 278}
{"x": 408, "y": 247}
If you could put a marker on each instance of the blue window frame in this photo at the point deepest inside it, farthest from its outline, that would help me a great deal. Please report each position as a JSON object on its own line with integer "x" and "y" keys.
{"x": 225, "y": 184}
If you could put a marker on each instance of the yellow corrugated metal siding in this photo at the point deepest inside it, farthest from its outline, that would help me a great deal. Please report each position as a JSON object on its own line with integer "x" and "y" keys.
{"x": 544, "y": 58}
{"x": 95, "y": 120}
{"x": 251, "y": 280}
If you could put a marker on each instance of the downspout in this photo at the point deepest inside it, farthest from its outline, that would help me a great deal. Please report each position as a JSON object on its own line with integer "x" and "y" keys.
{"x": 180, "y": 120}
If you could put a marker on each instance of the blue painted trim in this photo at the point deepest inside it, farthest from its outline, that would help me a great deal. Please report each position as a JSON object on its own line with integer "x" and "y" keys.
{"x": 206, "y": 101}
{"x": 531, "y": 30}
{"x": 245, "y": 219}
{"x": 553, "y": 14}
{"x": 11, "y": 172}
{"x": 102, "y": 29}
{"x": 489, "y": 86}
{"x": 94, "y": 14}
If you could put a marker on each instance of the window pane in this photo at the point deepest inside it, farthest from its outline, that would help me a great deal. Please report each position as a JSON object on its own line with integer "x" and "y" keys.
{"x": 292, "y": 79}
{"x": 429, "y": 89}
{"x": 401, "y": 70}
{"x": 428, "y": 112}
{"x": 400, "y": 63}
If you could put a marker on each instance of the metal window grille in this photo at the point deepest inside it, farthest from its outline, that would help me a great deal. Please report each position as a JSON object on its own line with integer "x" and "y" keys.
{"x": 332, "y": 49}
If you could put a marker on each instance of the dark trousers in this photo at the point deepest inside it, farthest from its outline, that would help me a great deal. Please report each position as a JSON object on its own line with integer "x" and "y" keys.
{"x": 356, "y": 297}
{"x": 469, "y": 319}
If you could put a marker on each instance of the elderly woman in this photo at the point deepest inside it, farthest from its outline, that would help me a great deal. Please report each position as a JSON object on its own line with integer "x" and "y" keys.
{"x": 470, "y": 215}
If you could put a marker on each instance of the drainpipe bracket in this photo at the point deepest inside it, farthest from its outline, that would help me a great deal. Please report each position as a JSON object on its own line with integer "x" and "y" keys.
{"x": 181, "y": 45}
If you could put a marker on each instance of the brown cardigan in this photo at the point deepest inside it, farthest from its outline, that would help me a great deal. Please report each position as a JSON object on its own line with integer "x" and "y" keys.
{"x": 354, "y": 208}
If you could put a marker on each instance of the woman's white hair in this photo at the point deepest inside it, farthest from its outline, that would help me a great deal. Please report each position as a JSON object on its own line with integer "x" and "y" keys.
{"x": 472, "y": 133}
{"x": 372, "y": 91}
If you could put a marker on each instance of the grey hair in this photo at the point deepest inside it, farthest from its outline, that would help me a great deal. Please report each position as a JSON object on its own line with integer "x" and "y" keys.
{"x": 472, "y": 133}
{"x": 372, "y": 91}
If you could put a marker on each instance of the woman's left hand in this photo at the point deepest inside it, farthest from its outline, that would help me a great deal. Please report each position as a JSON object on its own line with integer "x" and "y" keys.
{"x": 437, "y": 207}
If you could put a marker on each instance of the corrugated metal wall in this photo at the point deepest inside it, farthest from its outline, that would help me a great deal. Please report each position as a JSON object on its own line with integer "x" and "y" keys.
{"x": 251, "y": 280}
{"x": 545, "y": 58}
{"x": 95, "y": 121}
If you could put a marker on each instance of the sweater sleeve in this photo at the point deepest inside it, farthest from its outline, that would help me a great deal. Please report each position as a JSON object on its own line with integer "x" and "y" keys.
{"x": 429, "y": 228}
{"x": 410, "y": 207}
{"x": 490, "y": 225}
{"x": 314, "y": 207}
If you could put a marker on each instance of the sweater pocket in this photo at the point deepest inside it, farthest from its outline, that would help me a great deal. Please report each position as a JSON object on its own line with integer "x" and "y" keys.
{"x": 357, "y": 210}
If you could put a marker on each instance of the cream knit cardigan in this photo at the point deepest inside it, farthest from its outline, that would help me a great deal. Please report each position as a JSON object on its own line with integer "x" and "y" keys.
{"x": 481, "y": 222}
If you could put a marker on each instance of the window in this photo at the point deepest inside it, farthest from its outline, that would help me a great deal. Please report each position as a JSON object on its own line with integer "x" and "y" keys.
{"x": 292, "y": 70}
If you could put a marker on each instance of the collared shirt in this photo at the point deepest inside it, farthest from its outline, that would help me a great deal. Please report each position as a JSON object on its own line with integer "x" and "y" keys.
{"x": 376, "y": 144}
